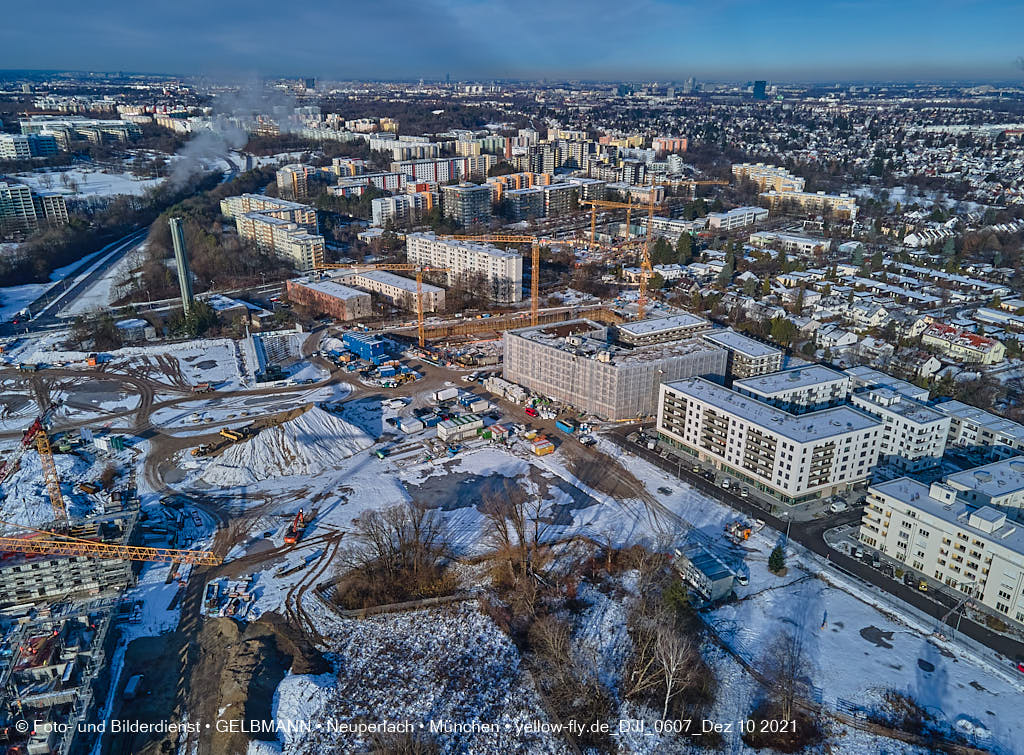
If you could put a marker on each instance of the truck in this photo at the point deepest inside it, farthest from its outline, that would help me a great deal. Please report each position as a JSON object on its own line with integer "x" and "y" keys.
{"x": 445, "y": 394}
{"x": 233, "y": 435}
{"x": 566, "y": 426}
{"x": 202, "y": 387}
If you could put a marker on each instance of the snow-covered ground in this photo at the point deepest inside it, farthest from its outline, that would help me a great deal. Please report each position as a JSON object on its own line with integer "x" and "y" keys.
{"x": 101, "y": 294}
{"x": 85, "y": 182}
{"x": 15, "y": 298}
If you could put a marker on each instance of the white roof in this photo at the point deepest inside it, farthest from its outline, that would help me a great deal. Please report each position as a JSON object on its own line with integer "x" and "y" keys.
{"x": 331, "y": 288}
{"x": 390, "y": 279}
{"x": 994, "y": 480}
{"x": 654, "y": 325}
{"x": 745, "y": 345}
{"x": 790, "y": 380}
{"x": 803, "y": 428}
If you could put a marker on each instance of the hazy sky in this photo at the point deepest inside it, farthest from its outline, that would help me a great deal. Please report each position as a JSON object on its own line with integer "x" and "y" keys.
{"x": 657, "y": 39}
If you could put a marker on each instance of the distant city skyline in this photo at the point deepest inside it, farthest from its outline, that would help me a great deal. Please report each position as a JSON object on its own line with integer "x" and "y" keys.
{"x": 646, "y": 40}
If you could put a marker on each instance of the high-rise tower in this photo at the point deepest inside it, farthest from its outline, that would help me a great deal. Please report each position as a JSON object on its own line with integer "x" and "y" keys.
{"x": 181, "y": 262}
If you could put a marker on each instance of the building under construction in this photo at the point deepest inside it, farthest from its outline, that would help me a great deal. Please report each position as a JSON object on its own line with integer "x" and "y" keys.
{"x": 576, "y": 363}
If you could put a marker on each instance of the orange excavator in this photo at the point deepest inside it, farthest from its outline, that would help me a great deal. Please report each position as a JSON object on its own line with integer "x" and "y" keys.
{"x": 298, "y": 526}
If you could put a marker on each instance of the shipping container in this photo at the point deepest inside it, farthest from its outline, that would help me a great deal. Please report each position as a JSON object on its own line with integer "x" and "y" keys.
{"x": 566, "y": 425}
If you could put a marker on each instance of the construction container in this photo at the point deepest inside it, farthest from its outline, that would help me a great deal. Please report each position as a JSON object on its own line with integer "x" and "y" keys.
{"x": 445, "y": 394}
{"x": 410, "y": 425}
{"x": 542, "y": 446}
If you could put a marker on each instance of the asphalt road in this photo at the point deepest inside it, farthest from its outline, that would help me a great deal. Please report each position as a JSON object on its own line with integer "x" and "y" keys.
{"x": 811, "y": 535}
{"x": 56, "y": 297}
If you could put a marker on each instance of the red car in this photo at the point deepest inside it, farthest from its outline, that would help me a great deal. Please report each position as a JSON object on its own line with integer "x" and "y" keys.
{"x": 530, "y": 411}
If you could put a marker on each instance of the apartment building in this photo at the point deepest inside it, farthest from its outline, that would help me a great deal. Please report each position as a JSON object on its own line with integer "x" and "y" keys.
{"x": 22, "y": 146}
{"x": 740, "y": 217}
{"x": 663, "y": 144}
{"x": 329, "y": 297}
{"x": 748, "y": 357}
{"x": 768, "y": 177}
{"x": 575, "y": 362}
{"x": 396, "y": 289}
{"x": 914, "y": 436}
{"x": 793, "y": 458}
{"x": 293, "y": 212}
{"x": 963, "y": 345}
{"x": 64, "y": 129}
{"x": 357, "y": 185}
{"x": 934, "y": 531}
{"x": 802, "y": 389}
{"x": 512, "y": 181}
{"x": 24, "y": 211}
{"x": 671, "y": 229}
{"x": 401, "y": 209}
{"x": 293, "y": 180}
{"x": 525, "y": 204}
{"x": 660, "y": 329}
{"x": 841, "y": 206}
{"x": 502, "y": 270}
{"x": 999, "y": 485}
{"x": 444, "y": 169}
{"x": 467, "y": 204}
{"x": 278, "y": 226}
{"x": 974, "y": 428}
{"x": 805, "y": 246}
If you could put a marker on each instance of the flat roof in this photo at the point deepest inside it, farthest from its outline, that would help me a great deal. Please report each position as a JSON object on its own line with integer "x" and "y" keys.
{"x": 655, "y": 325}
{"x": 888, "y": 400}
{"x": 331, "y": 288}
{"x": 467, "y": 245}
{"x": 390, "y": 279}
{"x": 745, "y": 345}
{"x": 917, "y": 495}
{"x": 802, "y": 428}
{"x": 869, "y": 376}
{"x": 789, "y": 380}
{"x": 989, "y": 421}
{"x": 993, "y": 480}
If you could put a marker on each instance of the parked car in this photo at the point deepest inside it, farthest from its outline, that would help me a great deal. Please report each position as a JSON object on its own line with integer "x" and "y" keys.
{"x": 838, "y": 506}
{"x": 531, "y": 412}
{"x": 744, "y": 492}
{"x": 725, "y": 484}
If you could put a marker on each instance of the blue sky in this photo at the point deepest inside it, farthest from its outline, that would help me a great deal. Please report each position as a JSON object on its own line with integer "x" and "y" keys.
{"x": 646, "y": 39}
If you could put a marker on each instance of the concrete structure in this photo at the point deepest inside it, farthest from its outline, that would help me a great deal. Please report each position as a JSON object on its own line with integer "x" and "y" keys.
{"x": 660, "y": 329}
{"x": 842, "y": 206}
{"x": 933, "y": 531}
{"x": 974, "y": 428}
{"x": 500, "y": 271}
{"x": 574, "y": 362}
{"x": 802, "y": 389}
{"x": 467, "y": 204}
{"x": 398, "y": 290}
{"x": 22, "y": 210}
{"x": 768, "y": 177}
{"x": 287, "y": 229}
{"x": 181, "y": 264}
{"x": 23, "y": 147}
{"x": 963, "y": 345}
{"x": 705, "y": 573}
{"x": 999, "y": 485}
{"x": 329, "y": 297}
{"x": 671, "y": 229}
{"x": 914, "y": 436}
{"x": 793, "y": 458}
{"x": 737, "y": 218}
{"x": 805, "y": 246}
{"x": 868, "y": 377}
{"x": 748, "y": 357}
{"x": 445, "y": 169}
{"x": 401, "y": 209}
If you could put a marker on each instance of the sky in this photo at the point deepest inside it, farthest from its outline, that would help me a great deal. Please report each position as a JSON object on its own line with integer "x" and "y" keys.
{"x": 805, "y": 40}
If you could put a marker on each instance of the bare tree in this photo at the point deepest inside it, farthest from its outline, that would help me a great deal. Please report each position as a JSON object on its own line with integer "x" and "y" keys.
{"x": 787, "y": 667}
{"x": 675, "y": 655}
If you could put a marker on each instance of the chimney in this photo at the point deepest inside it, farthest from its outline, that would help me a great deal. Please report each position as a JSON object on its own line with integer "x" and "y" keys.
{"x": 181, "y": 261}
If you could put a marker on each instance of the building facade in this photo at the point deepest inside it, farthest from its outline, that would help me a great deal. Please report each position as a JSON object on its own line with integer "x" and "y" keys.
{"x": 914, "y": 436}
{"x": 398, "y": 290}
{"x": 748, "y": 357}
{"x": 803, "y": 389}
{"x": 467, "y": 204}
{"x": 330, "y": 298}
{"x": 793, "y": 458}
{"x": 502, "y": 270}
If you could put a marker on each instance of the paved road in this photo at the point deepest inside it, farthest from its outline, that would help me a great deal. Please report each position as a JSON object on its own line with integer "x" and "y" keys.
{"x": 57, "y": 297}
{"x": 811, "y": 535}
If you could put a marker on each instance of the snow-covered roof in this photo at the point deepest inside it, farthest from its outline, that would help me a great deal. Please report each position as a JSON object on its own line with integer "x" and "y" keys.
{"x": 738, "y": 342}
{"x": 655, "y": 325}
{"x": 994, "y": 480}
{"x": 804, "y": 428}
{"x": 791, "y": 380}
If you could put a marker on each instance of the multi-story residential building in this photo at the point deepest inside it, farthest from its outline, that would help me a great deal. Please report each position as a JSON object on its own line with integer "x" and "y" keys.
{"x": 66, "y": 128}
{"x": 502, "y": 270}
{"x": 841, "y": 206}
{"x": 868, "y": 377}
{"x": 806, "y": 246}
{"x": 467, "y": 204}
{"x": 740, "y": 217}
{"x": 662, "y": 144}
{"x": 21, "y": 146}
{"x": 293, "y": 212}
{"x": 999, "y": 485}
{"x": 401, "y": 209}
{"x": 971, "y": 427}
{"x": 660, "y": 329}
{"x": 914, "y": 436}
{"x": 963, "y": 345}
{"x": 575, "y": 363}
{"x": 357, "y": 185}
{"x": 671, "y": 229}
{"x": 444, "y": 169}
{"x": 329, "y": 297}
{"x": 559, "y": 199}
{"x": 934, "y": 531}
{"x": 802, "y": 389}
{"x": 793, "y": 458}
{"x": 748, "y": 357}
{"x": 293, "y": 180}
{"x": 398, "y": 290}
{"x": 525, "y": 204}
{"x": 21, "y": 210}
{"x": 768, "y": 177}
{"x": 512, "y": 181}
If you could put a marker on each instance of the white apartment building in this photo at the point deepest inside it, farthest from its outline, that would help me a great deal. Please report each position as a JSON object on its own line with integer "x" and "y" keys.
{"x": 671, "y": 229}
{"x": 999, "y": 484}
{"x": 660, "y": 329}
{"x": 14, "y": 147}
{"x": 288, "y": 240}
{"x": 933, "y": 531}
{"x": 914, "y": 436}
{"x": 737, "y": 218}
{"x": 398, "y": 290}
{"x": 971, "y": 427}
{"x": 294, "y": 212}
{"x": 503, "y": 270}
{"x": 793, "y": 458}
{"x": 401, "y": 209}
{"x": 802, "y": 389}
{"x": 768, "y": 177}
{"x": 805, "y": 246}
{"x": 841, "y": 205}
{"x": 748, "y": 357}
